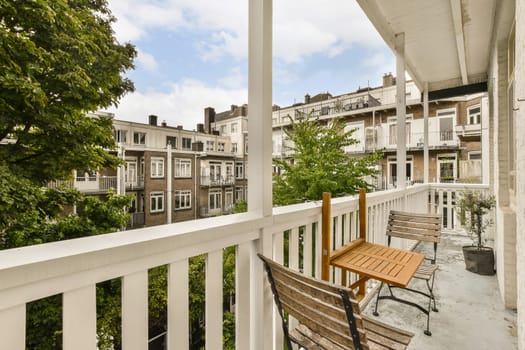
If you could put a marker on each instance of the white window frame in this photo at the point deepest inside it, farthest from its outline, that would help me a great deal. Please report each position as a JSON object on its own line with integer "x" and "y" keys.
{"x": 156, "y": 202}
{"x": 220, "y": 146}
{"x": 234, "y": 128}
{"x": 121, "y": 136}
{"x": 392, "y": 129}
{"x": 184, "y": 141}
{"x": 175, "y": 138}
{"x": 216, "y": 201}
{"x": 476, "y": 116}
{"x": 474, "y": 153}
{"x": 139, "y": 138}
{"x": 446, "y": 113}
{"x": 234, "y": 147}
{"x": 445, "y": 158}
{"x": 215, "y": 171}
{"x": 239, "y": 170}
{"x": 182, "y": 199}
{"x": 238, "y": 194}
{"x": 210, "y": 145}
{"x": 182, "y": 167}
{"x": 157, "y": 167}
{"x": 223, "y": 129}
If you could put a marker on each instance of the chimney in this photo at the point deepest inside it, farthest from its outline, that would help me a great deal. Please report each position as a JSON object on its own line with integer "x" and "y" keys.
{"x": 244, "y": 110}
{"x": 233, "y": 108}
{"x": 179, "y": 127}
{"x": 164, "y": 124}
{"x": 200, "y": 128}
{"x": 209, "y": 117}
{"x": 306, "y": 98}
{"x": 388, "y": 80}
{"x": 153, "y": 120}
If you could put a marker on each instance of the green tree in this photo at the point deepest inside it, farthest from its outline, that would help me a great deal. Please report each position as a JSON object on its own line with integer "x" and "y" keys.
{"x": 320, "y": 163}
{"x": 59, "y": 60}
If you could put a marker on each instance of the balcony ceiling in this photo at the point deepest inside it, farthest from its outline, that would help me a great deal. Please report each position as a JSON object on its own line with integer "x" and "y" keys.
{"x": 447, "y": 42}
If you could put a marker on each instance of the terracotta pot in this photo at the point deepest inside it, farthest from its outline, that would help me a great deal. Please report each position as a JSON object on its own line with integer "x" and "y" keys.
{"x": 479, "y": 260}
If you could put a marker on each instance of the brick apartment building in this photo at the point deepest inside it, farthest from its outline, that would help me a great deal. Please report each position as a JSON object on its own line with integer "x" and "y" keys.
{"x": 457, "y": 128}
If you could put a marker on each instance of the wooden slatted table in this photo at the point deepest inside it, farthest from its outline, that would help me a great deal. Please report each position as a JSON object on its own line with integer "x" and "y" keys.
{"x": 390, "y": 265}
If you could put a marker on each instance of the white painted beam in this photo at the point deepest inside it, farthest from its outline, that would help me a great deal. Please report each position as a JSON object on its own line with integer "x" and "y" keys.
{"x": 457, "y": 19}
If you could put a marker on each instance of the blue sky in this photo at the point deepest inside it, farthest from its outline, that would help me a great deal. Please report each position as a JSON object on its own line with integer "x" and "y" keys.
{"x": 192, "y": 54}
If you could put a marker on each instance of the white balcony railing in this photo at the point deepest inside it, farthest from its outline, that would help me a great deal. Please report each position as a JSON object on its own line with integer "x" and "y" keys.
{"x": 72, "y": 268}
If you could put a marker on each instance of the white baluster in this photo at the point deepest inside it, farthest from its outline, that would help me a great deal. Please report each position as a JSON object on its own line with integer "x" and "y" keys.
{"x": 178, "y": 306}
{"x": 135, "y": 311}
{"x": 13, "y": 327}
{"x": 79, "y": 309}
{"x": 214, "y": 300}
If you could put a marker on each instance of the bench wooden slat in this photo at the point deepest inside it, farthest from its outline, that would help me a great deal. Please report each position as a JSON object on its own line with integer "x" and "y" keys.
{"x": 323, "y": 324}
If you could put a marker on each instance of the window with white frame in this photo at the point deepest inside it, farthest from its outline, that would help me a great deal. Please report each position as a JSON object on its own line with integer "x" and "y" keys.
{"x": 238, "y": 194}
{"x": 392, "y": 129}
{"x": 171, "y": 140}
{"x": 220, "y": 146}
{"x": 474, "y": 155}
{"x": 228, "y": 199}
{"x": 182, "y": 167}
{"x": 156, "y": 202}
{"x": 239, "y": 174}
{"x": 234, "y": 147}
{"x": 223, "y": 129}
{"x": 229, "y": 170}
{"x": 121, "y": 136}
{"x": 474, "y": 114}
{"x": 446, "y": 124}
{"x": 233, "y": 128}
{"x": 210, "y": 145}
{"x": 182, "y": 199}
{"x": 186, "y": 143}
{"x": 215, "y": 200}
{"x": 139, "y": 138}
{"x": 157, "y": 167}
{"x": 215, "y": 171}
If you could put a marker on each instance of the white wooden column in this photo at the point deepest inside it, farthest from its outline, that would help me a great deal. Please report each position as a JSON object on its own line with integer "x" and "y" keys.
{"x": 401, "y": 110}
{"x": 425, "y": 133}
{"x": 519, "y": 105}
{"x": 178, "y": 306}
{"x": 169, "y": 190}
{"x": 135, "y": 311}
{"x": 214, "y": 300}
{"x": 13, "y": 327}
{"x": 79, "y": 309}
{"x": 260, "y": 107}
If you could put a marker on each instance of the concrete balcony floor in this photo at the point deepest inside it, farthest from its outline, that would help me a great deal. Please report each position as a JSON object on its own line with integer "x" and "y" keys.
{"x": 471, "y": 312}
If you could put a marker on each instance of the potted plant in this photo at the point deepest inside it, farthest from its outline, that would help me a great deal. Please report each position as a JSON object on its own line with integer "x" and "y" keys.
{"x": 472, "y": 208}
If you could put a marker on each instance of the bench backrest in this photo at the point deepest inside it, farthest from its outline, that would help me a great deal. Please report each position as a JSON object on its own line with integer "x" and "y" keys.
{"x": 417, "y": 226}
{"x": 421, "y": 227}
{"x": 327, "y": 310}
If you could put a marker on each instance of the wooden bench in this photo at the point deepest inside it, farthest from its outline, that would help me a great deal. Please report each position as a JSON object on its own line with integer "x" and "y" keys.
{"x": 420, "y": 227}
{"x": 328, "y": 316}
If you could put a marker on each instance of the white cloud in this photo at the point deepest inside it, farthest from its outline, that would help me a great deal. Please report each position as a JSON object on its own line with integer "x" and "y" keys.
{"x": 183, "y": 103}
{"x": 147, "y": 61}
{"x": 301, "y": 27}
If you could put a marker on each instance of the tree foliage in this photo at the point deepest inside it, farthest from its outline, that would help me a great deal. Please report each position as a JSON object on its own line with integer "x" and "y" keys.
{"x": 320, "y": 163}
{"x": 59, "y": 60}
